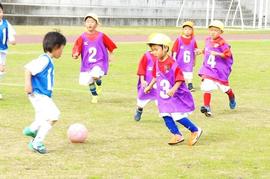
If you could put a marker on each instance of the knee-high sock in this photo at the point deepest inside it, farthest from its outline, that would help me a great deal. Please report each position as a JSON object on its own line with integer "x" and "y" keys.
{"x": 188, "y": 124}
{"x": 171, "y": 125}
{"x": 35, "y": 125}
{"x": 230, "y": 94}
{"x": 207, "y": 98}
{"x": 43, "y": 131}
{"x": 93, "y": 89}
{"x": 99, "y": 82}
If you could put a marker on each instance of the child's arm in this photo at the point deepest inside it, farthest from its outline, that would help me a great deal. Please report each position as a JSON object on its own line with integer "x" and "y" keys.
{"x": 76, "y": 50}
{"x": 150, "y": 86}
{"x": 217, "y": 54}
{"x": 28, "y": 83}
{"x": 143, "y": 82}
{"x": 174, "y": 55}
{"x": 174, "y": 88}
{"x": 11, "y": 34}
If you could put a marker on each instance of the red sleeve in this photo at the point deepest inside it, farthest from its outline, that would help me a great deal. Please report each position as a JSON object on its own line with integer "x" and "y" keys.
{"x": 142, "y": 66}
{"x": 109, "y": 44}
{"x": 77, "y": 48}
{"x": 178, "y": 75}
{"x": 175, "y": 46}
{"x": 195, "y": 45}
{"x": 154, "y": 69}
{"x": 227, "y": 53}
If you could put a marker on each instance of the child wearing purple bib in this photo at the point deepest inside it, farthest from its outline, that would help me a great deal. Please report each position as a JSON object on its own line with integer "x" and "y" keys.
{"x": 175, "y": 101}
{"x": 216, "y": 67}
{"x": 184, "y": 52}
{"x": 93, "y": 46}
{"x": 145, "y": 77}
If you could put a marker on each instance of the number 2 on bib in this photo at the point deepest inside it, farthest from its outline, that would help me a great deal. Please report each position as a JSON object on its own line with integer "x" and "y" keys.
{"x": 165, "y": 85}
{"x": 92, "y": 54}
{"x": 211, "y": 61}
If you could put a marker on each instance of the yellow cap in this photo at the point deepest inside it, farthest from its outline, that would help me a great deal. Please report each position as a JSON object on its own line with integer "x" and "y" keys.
{"x": 218, "y": 24}
{"x": 159, "y": 39}
{"x": 188, "y": 23}
{"x": 92, "y": 15}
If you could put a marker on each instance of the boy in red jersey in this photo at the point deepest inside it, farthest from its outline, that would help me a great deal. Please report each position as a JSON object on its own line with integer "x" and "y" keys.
{"x": 184, "y": 51}
{"x": 216, "y": 67}
{"x": 93, "y": 46}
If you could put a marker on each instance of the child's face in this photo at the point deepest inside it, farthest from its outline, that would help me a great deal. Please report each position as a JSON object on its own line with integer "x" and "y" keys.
{"x": 214, "y": 32}
{"x": 1, "y": 13}
{"x": 57, "y": 52}
{"x": 158, "y": 51}
{"x": 187, "y": 31}
{"x": 90, "y": 24}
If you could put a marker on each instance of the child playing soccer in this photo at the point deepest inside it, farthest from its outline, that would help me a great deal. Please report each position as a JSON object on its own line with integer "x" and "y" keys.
{"x": 184, "y": 51}
{"x": 175, "y": 101}
{"x": 216, "y": 67}
{"x": 145, "y": 77}
{"x": 7, "y": 34}
{"x": 39, "y": 82}
{"x": 93, "y": 46}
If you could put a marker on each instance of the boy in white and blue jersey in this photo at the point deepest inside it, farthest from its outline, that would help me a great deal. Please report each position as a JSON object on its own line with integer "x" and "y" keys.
{"x": 7, "y": 34}
{"x": 39, "y": 81}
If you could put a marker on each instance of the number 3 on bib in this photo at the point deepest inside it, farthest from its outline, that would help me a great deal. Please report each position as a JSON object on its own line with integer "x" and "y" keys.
{"x": 92, "y": 54}
{"x": 165, "y": 85}
{"x": 211, "y": 61}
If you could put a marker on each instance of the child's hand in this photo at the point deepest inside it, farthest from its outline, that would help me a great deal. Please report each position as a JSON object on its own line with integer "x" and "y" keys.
{"x": 198, "y": 51}
{"x": 171, "y": 92}
{"x": 147, "y": 89}
{"x": 144, "y": 84}
{"x": 75, "y": 55}
{"x": 28, "y": 89}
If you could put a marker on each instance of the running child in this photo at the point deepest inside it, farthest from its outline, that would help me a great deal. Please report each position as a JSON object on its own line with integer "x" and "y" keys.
{"x": 93, "y": 46}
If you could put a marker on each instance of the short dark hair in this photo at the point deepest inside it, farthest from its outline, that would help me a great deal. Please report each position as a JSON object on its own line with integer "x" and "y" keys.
{"x": 1, "y": 6}
{"x": 53, "y": 40}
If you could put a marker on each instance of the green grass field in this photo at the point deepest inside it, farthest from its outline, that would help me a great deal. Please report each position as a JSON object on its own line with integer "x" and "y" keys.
{"x": 235, "y": 144}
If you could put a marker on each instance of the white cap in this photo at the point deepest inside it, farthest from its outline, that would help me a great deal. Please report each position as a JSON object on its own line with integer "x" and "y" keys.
{"x": 92, "y": 15}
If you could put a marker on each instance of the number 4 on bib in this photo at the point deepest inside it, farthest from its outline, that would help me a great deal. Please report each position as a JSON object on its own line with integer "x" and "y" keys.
{"x": 211, "y": 61}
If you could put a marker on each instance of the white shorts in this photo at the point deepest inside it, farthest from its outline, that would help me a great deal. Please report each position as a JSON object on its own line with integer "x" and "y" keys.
{"x": 3, "y": 58}
{"x": 210, "y": 85}
{"x": 45, "y": 108}
{"x": 176, "y": 116}
{"x": 86, "y": 78}
{"x": 188, "y": 75}
{"x": 143, "y": 103}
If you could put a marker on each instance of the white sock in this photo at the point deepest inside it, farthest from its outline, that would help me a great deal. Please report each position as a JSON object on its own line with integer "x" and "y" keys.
{"x": 34, "y": 126}
{"x": 42, "y": 132}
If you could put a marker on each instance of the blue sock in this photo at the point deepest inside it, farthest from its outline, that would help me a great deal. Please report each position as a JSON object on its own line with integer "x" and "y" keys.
{"x": 171, "y": 125}
{"x": 98, "y": 82}
{"x": 92, "y": 88}
{"x": 188, "y": 124}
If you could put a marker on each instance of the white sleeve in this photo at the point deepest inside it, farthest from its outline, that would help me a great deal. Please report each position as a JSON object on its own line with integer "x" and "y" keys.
{"x": 11, "y": 32}
{"x": 37, "y": 65}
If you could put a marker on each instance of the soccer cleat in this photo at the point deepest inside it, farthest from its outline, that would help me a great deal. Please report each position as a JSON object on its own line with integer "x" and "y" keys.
{"x": 232, "y": 104}
{"x": 176, "y": 139}
{"x": 138, "y": 115}
{"x": 27, "y": 132}
{"x": 190, "y": 87}
{"x": 206, "y": 110}
{"x": 37, "y": 147}
{"x": 194, "y": 137}
{"x": 94, "y": 99}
